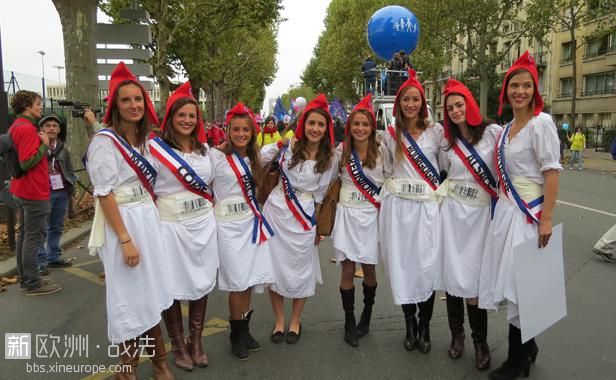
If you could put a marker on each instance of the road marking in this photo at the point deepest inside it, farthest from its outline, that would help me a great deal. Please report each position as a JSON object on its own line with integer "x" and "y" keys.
{"x": 586, "y": 208}
{"x": 85, "y": 274}
{"x": 84, "y": 263}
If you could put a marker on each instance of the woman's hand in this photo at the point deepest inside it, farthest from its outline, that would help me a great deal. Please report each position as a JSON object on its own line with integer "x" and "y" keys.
{"x": 317, "y": 239}
{"x": 545, "y": 232}
{"x": 130, "y": 254}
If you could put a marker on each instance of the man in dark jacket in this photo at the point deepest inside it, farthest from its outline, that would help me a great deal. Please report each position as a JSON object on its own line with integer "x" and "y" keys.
{"x": 369, "y": 73}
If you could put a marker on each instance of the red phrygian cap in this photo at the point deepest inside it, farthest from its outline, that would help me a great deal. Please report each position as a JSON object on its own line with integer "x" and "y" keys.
{"x": 184, "y": 91}
{"x": 364, "y": 104}
{"x": 319, "y": 102}
{"x": 120, "y": 74}
{"x": 412, "y": 81}
{"x": 473, "y": 115}
{"x": 525, "y": 62}
{"x": 238, "y": 110}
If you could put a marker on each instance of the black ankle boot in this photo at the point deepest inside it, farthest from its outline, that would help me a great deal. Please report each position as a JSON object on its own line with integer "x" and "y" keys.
{"x": 455, "y": 318}
{"x": 239, "y": 338}
{"x": 531, "y": 349}
{"x": 517, "y": 363}
{"x": 348, "y": 304}
{"x": 363, "y": 327}
{"x": 425, "y": 315}
{"x": 478, "y": 319}
{"x": 410, "y": 340}
{"x": 253, "y": 345}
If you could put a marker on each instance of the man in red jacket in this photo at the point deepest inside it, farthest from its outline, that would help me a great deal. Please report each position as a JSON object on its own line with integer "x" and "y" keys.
{"x": 31, "y": 191}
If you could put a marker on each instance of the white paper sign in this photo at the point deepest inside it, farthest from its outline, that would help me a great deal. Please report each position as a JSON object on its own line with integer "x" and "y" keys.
{"x": 540, "y": 282}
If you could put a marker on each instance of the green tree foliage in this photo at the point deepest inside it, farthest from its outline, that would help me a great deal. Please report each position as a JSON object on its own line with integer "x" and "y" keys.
{"x": 303, "y": 90}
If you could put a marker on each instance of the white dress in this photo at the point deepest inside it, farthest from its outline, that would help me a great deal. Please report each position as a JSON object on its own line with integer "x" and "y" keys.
{"x": 463, "y": 228}
{"x": 190, "y": 243}
{"x": 243, "y": 264}
{"x": 355, "y": 234}
{"x": 135, "y": 295}
{"x": 409, "y": 228}
{"x": 532, "y": 151}
{"x": 295, "y": 257}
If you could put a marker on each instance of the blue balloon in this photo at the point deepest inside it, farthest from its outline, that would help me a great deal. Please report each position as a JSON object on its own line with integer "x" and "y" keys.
{"x": 566, "y": 126}
{"x": 392, "y": 29}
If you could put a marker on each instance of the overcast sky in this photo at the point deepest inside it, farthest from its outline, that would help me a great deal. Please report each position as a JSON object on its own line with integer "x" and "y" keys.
{"x": 29, "y": 26}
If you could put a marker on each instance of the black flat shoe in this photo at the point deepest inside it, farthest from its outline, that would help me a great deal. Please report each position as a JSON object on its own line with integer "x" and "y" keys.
{"x": 293, "y": 337}
{"x": 277, "y": 337}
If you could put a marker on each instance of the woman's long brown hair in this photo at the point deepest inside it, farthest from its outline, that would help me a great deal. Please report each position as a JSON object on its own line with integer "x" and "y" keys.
{"x": 325, "y": 152}
{"x": 170, "y": 136}
{"x": 373, "y": 147}
{"x": 143, "y": 127}
{"x": 252, "y": 150}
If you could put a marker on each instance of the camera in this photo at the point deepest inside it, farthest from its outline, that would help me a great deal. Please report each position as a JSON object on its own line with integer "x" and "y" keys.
{"x": 78, "y": 108}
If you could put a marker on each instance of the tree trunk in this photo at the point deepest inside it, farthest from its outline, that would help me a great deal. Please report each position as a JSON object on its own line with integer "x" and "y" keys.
{"x": 219, "y": 99}
{"x": 161, "y": 70}
{"x": 78, "y": 20}
{"x": 574, "y": 71}
{"x": 483, "y": 77}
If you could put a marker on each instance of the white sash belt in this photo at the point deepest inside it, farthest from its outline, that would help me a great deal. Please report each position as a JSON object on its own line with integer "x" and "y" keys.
{"x": 465, "y": 192}
{"x": 413, "y": 189}
{"x": 133, "y": 194}
{"x": 527, "y": 189}
{"x": 181, "y": 206}
{"x": 300, "y": 194}
{"x": 233, "y": 209}
{"x": 350, "y": 196}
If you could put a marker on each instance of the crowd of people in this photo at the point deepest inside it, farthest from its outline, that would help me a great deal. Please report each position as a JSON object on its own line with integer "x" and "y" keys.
{"x": 178, "y": 214}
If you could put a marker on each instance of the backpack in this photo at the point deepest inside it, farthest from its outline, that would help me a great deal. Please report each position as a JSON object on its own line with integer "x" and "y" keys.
{"x": 9, "y": 158}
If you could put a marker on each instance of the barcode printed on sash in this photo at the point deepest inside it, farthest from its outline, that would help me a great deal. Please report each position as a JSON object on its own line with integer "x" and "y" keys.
{"x": 235, "y": 209}
{"x": 415, "y": 189}
{"x": 193, "y": 205}
{"x": 466, "y": 192}
{"x": 138, "y": 193}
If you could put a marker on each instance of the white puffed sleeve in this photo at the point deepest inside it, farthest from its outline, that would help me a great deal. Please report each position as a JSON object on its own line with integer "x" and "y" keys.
{"x": 269, "y": 152}
{"x": 546, "y": 144}
{"x": 102, "y": 165}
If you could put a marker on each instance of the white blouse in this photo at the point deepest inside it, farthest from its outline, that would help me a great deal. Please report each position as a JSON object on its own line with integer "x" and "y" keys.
{"x": 168, "y": 184}
{"x": 224, "y": 180}
{"x": 430, "y": 143}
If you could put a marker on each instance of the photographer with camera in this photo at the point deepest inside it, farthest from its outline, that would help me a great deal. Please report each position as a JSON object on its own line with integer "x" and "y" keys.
{"x": 62, "y": 179}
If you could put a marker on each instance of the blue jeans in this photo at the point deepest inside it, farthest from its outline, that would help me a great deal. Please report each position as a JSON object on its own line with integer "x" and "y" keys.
{"x": 369, "y": 85}
{"x": 50, "y": 251}
{"x": 576, "y": 156}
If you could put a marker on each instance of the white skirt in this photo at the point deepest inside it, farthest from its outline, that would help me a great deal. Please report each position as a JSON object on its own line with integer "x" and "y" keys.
{"x": 242, "y": 263}
{"x": 463, "y": 231}
{"x": 497, "y": 277}
{"x": 408, "y": 232}
{"x": 355, "y": 234}
{"x": 136, "y": 295}
{"x": 193, "y": 255}
{"x": 295, "y": 257}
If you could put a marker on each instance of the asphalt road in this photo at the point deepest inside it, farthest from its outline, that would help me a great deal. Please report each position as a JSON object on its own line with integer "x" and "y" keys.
{"x": 581, "y": 346}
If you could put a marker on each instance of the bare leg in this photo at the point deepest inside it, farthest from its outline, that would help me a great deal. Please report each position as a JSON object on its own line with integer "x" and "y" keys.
{"x": 278, "y": 307}
{"x": 236, "y": 305}
{"x": 298, "y": 308}
{"x": 369, "y": 274}
{"x": 348, "y": 270}
{"x": 246, "y": 299}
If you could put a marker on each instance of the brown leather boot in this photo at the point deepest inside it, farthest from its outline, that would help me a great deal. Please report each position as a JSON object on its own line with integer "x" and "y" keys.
{"x": 155, "y": 347}
{"x": 129, "y": 357}
{"x": 175, "y": 329}
{"x": 478, "y": 319}
{"x": 455, "y": 318}
{"x": 196, "y": 316}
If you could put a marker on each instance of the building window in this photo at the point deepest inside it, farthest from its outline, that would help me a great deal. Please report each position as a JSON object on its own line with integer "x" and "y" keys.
{"x": 599, "y": 84}
{"x": 566, "y": 87}
{"x": 565, "y": 52}
{"x": 597, "y": 46}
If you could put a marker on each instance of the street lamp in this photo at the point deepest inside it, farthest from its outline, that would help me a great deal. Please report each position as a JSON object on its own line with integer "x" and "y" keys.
{"x": 60, "y": 68}
{"x": 42, "y": 53}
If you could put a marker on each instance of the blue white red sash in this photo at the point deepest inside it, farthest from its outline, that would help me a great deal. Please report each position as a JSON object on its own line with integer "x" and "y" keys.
{"x": 478, "y": 168}
{"x": 362, "y": 182}
{"x": 418, "y": 159}
{"x": 261, "y": 230}
{"x": 184, "y": 173}
{"x": 532, "y": 210}
{"x": 307, "y": 221}
{"x": 142, "y": 167}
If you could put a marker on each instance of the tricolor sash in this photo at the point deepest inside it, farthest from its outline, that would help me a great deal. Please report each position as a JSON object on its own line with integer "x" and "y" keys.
{"x": 307, "y": 221}
{"x": 184, "y": 173}
{"x": 418, "y": 159}
{"x": 478, "y": 168}
{"x": 362, "y": 182}
{"x": 144, "y": 170}
{"x": 532, "y": 209}
{"x": 261, "y": 230}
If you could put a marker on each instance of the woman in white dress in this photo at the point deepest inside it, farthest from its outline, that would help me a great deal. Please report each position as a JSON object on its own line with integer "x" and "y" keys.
{"x": 469, "y": 191}
{"x": 126, "y": 232}
{"x": 409, "y": 216}
{"x": 243, "y": 232}
{"x": 306, "y": 167}
{"x": 355, "y": 232}
{"x": 188, "y": 227}
{"x": 527, "y": 164}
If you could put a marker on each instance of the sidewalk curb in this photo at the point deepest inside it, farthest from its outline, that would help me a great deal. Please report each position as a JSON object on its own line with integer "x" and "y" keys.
{"x": 9, "y": 267}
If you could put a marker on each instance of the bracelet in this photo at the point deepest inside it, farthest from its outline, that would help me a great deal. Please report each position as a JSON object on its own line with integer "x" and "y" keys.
{"x": 127, "y": 241}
